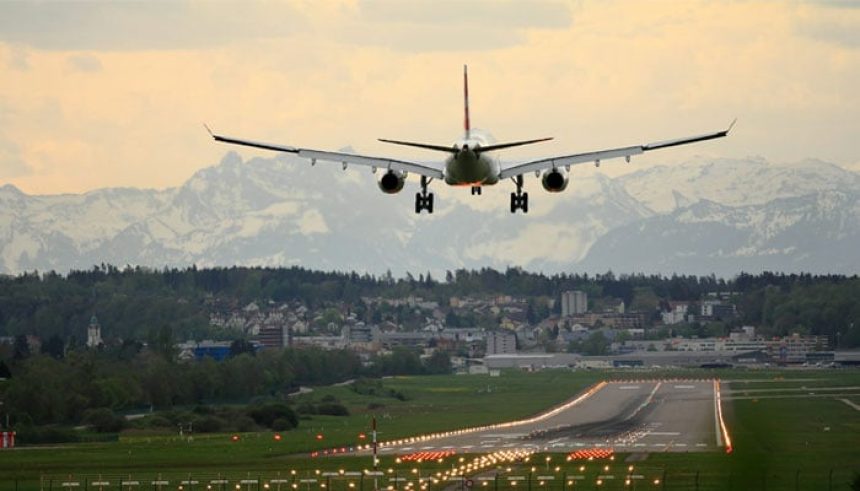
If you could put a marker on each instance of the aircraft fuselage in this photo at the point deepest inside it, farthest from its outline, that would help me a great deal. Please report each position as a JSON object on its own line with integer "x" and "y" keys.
{"x": 471, "y": 167}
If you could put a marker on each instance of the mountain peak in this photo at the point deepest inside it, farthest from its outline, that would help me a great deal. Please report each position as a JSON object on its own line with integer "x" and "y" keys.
{"x": 11, "y": 191}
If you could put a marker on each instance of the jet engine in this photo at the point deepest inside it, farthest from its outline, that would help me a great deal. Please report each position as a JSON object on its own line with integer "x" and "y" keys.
{"x": 392, "y": 182}
{"x": 554, "y": 180}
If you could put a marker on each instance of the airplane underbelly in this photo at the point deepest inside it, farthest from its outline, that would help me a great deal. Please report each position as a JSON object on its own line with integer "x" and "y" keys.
{"x": 474, "y": 172}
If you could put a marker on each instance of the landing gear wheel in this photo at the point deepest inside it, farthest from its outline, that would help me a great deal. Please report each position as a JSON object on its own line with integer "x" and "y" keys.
{"x": 424, "y": 202}
{"x": 519, "y": 199}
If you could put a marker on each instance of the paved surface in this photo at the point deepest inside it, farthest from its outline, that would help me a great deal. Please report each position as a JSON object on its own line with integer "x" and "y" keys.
{"x": 646, "y": 416}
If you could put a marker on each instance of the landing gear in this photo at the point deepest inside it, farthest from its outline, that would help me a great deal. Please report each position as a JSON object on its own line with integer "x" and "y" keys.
{"x": 519, "y": 199}
{"x": 476, "y": 190}
{"x": 424, "y": 200}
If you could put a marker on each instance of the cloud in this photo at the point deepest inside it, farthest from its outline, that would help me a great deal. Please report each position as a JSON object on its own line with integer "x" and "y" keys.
{"x": 97, "y": 25}
{"x": 84, "y": 63}
{"x": 499, "y": 14}
{"x": 17, "y": 59}
{"x": 12, "y": 165}
{"x": 449, "y": 25}
{"x": 594, "y": 75}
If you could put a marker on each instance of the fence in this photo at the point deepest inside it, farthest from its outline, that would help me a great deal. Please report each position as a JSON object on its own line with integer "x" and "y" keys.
{"x": 596, "y": 478}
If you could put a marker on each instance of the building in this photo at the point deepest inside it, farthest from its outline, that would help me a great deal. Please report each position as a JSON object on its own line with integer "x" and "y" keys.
{"x": 7, "y": 439}
{"x": 501, "y": 343}
{"x": 324, "y": 342}
{"x": 630, "y": 320}
{"x": 217, "y": 350}
{"x": 274, "y": 337}
{"x": 573, "y": 302}
{"x": 94, "y": 333}
{"x": 389, "y": 340}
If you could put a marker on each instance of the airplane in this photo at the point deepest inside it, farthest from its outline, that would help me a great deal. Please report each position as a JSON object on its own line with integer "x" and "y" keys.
{"x": 469, "y": 162}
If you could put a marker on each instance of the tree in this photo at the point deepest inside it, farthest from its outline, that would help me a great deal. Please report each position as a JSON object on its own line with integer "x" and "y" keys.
{"x": 240, "y": 346}
{"x": 596, "y": 344}
{"x": 438, "y": 363}
{"x": 21, "y": 349}
{"x": 162, "y": 341}
{"x": 54, "y": 347}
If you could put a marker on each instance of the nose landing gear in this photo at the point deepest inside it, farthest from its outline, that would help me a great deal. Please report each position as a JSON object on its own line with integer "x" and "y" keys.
{"x": 476, "y": 190}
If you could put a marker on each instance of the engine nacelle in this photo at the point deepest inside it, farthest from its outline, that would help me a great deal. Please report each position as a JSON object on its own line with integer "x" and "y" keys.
{"x": 555, "y": 180}
{"x": 392, "y": 182}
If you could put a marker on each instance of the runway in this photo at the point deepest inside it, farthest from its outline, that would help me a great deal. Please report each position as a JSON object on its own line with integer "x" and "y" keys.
{"x": 639, "y": 416}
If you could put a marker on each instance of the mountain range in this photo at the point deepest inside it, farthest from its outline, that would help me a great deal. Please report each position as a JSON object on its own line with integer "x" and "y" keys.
{"x": 704, "y": 216}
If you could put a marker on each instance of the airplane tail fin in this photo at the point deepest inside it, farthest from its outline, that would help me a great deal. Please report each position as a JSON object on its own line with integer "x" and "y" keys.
{"x": 466, "y": 124}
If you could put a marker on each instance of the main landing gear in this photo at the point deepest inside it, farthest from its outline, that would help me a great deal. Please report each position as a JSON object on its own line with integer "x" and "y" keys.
{"x": 424, "y": 200}
{"x": 519, "y": 199}
{"x": 476, "y": 190}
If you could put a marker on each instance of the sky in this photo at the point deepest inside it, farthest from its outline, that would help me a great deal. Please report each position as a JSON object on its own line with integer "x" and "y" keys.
{"x": 105, "y": 94}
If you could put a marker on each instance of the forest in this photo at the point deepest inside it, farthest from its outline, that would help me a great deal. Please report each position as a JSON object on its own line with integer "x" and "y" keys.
{"x": 148, "y": 311}
{"x": 137, "y": 303}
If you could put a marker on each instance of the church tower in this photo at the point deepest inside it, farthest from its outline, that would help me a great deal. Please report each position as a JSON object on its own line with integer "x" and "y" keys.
{"x": 94, "y": 333}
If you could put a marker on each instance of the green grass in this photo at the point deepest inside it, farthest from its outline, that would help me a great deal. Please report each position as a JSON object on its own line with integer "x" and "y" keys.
{"x": 773, "y": 438}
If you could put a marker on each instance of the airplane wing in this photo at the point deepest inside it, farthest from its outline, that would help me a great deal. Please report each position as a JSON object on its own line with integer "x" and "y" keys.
{"x": 596, "y": 157}
{"x": 344, "y": 158}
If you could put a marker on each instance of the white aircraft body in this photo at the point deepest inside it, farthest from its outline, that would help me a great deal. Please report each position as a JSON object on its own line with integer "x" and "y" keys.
{"x": 470, "y": 162}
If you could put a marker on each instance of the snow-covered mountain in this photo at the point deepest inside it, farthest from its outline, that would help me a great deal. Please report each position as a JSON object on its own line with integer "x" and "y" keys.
{"x": 704, "y": 216}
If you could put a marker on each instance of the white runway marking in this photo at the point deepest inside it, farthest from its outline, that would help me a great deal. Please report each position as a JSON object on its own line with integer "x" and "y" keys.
{"x": 663, "y": 433}
{"x": 685, "y": 386}
{"x": 629, "y": 387}
{"x": 431, "y": 447}
{"x": 701, "y": 444}
{"x": 855, "y": 406}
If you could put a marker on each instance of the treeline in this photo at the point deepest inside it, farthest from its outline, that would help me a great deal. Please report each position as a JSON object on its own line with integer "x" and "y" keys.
{"x": 44, "y": 390}
{"x": 138, "y": 303}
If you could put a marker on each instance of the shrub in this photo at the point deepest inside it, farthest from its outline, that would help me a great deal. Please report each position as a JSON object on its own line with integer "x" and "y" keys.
{"x": 306, "y": 408}
{"x": 244, "y": 424}
{"x": 281, "y": 424}
{"x": 208, "y": 424}
{"x": 266, "y": 414}
{"x": 332, "y": 409}
{"x": 46, "y": 434}
{"x": 103, "y": 420}
{"x": 158, "y": 421}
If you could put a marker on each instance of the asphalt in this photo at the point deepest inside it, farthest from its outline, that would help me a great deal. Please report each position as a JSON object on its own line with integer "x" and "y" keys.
{"x": 637, "y": 416}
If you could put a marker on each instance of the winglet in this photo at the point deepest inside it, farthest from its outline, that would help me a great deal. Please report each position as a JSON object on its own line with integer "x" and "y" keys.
{"x": 209, "y": 130}
{"x": 731, "y": 125}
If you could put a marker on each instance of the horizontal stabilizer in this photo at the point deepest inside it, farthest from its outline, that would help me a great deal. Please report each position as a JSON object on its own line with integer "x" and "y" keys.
{"x": 499, "y": 146}
{"x": 427, "y": 146}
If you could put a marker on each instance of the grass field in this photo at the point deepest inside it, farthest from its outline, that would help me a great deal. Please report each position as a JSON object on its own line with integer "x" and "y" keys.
{"x": 777, "y": 441}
